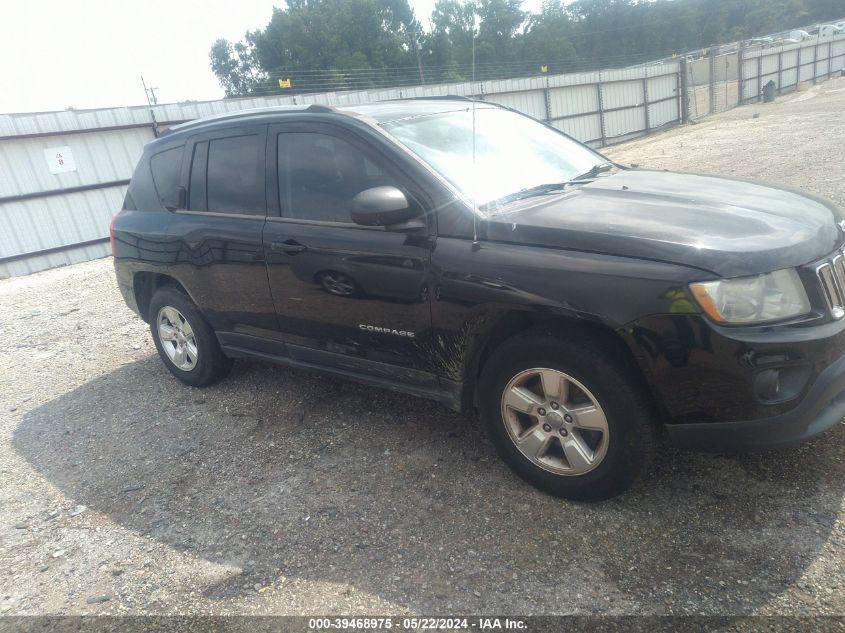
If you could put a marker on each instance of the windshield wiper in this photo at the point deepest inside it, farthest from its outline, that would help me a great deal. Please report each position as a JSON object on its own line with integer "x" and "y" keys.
{"x": 594, "y": 171}
{"x": 549, "y": 187}
{"x": 528, "y": 192}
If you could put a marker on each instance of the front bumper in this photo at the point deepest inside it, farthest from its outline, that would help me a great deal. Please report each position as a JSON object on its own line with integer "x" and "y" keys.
{"x": 705, "y": 380}
{"x": 821, "y": 408}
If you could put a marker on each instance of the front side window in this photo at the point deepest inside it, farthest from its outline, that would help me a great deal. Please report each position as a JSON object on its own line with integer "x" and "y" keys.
{"x": 234, "y": 175}
{"x": 319, "y": 175}
{"x": 510, "y": 152}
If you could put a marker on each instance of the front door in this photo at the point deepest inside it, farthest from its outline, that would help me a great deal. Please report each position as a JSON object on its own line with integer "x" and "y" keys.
{"x": 351, "y": 297}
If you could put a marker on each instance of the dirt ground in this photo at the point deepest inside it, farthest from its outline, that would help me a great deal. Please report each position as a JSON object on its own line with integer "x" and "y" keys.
{"x": 275, "y": 491}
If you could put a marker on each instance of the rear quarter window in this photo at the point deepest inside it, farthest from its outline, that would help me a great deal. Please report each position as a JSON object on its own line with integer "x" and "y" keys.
{"x": 166, "y": 168}
{"x": 129, "y": 202}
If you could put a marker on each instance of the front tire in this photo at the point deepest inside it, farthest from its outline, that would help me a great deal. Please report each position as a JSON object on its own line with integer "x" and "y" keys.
{"x": 570, "y": 418}
{"x": 185, "y": 342}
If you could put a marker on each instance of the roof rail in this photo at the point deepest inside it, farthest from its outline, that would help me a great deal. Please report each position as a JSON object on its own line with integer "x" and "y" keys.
{"x": 436, "y": 98}
{"x": 223, "y": 116}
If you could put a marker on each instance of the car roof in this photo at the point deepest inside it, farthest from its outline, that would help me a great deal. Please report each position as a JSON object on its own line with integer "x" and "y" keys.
{"x": 387, "y": 111}
{"x": 381, "y": 112}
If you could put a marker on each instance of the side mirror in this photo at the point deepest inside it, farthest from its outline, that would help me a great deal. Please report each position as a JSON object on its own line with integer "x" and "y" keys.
{"x": 180, "y": 199}
{"x": 381, "y": 206}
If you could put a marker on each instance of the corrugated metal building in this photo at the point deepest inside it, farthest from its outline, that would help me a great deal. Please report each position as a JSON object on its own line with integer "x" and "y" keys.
{"x": 63, "y": 174}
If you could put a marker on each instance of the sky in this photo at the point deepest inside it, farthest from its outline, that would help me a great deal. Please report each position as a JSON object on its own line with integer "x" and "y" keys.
{"x": 56, "y": 54}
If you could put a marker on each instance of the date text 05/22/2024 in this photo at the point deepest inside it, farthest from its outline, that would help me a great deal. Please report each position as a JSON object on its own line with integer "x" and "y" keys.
{"x": 416, "y": 624}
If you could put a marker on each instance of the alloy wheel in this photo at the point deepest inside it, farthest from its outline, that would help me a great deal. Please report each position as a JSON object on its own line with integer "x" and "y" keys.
{"x": 555, "y": 421}
{"x": 177, "y": 338}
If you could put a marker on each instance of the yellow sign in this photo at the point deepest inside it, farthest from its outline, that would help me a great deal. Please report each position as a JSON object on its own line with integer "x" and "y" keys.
{"x": 284, "y": 83}
{"x": 544, "y": 69}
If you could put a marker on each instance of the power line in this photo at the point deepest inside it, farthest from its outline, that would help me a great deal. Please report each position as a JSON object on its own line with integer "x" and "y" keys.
{"x": 389, "y": 77}
{"x": 410, "y": 70}
{"x": 447, "y": 67}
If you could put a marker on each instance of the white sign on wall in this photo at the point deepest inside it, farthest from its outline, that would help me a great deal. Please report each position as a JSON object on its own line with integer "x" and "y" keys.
{"x": 59, "y": 159}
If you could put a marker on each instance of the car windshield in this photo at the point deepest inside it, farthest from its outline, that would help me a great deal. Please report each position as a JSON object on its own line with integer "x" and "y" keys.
{"x": 513, "y": 153}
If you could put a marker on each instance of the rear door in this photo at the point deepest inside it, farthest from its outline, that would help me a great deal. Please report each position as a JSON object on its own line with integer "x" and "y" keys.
{"x": 221, "y": 259}
{"x": 346, "y": 296}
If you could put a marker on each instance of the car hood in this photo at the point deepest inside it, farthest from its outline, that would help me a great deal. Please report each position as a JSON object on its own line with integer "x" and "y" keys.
{"x": 728, "y": 226}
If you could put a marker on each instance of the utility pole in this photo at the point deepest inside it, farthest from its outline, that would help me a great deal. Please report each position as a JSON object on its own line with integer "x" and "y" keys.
{"x": 151, "y": 101}
{"x": 417, "y": 47}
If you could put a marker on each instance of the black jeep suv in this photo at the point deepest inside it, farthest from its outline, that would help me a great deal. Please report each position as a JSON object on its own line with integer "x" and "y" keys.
{"x": 463, "y": 252}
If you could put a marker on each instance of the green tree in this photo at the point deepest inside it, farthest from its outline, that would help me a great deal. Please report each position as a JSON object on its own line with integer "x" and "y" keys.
{"x": 499, "y": 23}
{"x": 315, "y": 41}
{"x": 548, "y": 38}
{"x": 333, "y": 44}
{"x": 236, "y": 66}
{"x": 494, "y": 24}
{"x": 447, "y": 49}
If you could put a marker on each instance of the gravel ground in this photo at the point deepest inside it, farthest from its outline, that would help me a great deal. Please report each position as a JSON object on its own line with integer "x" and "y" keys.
{"x": 276, "y": 491}
{"x": 799, "y": 140}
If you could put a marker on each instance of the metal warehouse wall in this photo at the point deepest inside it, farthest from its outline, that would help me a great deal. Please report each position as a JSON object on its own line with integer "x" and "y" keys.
{"x": 49, "y": 220}
{"x": 62, "y": 218}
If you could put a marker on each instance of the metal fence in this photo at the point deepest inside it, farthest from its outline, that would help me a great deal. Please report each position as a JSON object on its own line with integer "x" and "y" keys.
{"x": 720, "y": 81}
{"x": 788, "y": 66}
{"x": 712, "y": 83}
{"x": 63, "y": 174}
{"x": 53, "y": 213}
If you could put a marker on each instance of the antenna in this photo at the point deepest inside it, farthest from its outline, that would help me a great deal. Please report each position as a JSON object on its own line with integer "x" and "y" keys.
{"x": 475, "y": 244}
{"x": 151, "y": 103}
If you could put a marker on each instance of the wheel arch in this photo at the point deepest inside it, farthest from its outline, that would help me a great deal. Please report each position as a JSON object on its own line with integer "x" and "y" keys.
{"x": 517, "y": 322}
{"x": 145, "y": 284}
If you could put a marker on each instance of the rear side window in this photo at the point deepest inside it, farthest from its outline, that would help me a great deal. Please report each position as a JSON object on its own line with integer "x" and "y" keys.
{"x": 235, "y": 175}
{"x": 166, "y": 167}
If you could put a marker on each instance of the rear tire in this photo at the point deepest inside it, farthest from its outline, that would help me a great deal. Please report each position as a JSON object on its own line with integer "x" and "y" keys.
{"x": 185, "y": 342}
{"x": 570, "y": 418}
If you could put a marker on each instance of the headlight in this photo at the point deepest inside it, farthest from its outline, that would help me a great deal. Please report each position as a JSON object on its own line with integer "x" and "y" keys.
{"x": 759, "y": 299}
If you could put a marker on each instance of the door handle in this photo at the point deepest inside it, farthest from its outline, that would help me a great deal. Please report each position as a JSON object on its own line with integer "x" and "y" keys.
{"x": 291, "y": 247}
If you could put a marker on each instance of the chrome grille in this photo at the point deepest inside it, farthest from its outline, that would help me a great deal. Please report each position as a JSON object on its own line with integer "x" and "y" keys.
{"x": 831, "y": 276}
